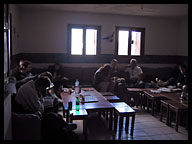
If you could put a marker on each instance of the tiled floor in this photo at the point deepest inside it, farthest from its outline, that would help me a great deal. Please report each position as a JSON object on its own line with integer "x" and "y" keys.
{"x": 147, "y": 127}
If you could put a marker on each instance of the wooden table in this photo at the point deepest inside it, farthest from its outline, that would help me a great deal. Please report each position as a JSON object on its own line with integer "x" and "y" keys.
{"x": 175, "y": 97}
{"x": 102, "y": 105}
{"x": 154, "y": 97}
{"x": 140, "y": 99}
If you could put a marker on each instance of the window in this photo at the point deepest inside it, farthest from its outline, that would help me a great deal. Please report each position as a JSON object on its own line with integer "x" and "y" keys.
{"x": 130, "y": 41}
{"x": 84, "y": 40}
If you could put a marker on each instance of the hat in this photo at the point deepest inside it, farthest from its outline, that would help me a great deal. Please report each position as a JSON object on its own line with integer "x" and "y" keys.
{"x": 51, "y": 86}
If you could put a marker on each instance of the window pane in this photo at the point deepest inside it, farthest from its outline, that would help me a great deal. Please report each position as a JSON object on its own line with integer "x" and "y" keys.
{"x": 77, "y": 41}
{"x": 91, "y": 41}
{"x": 123, "y": 42}
{"x": 136, "y": 45}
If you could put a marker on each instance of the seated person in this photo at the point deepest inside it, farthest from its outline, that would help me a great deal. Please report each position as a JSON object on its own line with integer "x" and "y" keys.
{"x": 23, "y": 73}
{"x": 58, "y": 77}
{"x": 113, "y": 72}
{"x": 102, "y": 78}
{"x": 30, "y": 96}
{"x": 182, "y": 78}
{"x": 134, "y": 74}
{"x": 49, "y": 94}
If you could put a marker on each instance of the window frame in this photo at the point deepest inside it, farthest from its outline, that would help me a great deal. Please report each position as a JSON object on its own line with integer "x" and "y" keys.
{"x": 84, "y": 27}
{"x": 130, "y": 29}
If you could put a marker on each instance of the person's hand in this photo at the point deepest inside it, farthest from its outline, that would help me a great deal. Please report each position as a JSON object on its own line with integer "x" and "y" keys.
{"x": 179, "y": 85}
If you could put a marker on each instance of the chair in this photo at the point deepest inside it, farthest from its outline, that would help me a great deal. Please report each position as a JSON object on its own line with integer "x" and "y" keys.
{"x": 26, "y": 126}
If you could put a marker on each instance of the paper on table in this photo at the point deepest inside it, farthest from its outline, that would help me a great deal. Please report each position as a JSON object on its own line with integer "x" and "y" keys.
{"x": 155, "y": 91}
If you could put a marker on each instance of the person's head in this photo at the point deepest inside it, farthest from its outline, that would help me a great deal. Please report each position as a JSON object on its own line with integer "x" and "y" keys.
{"x": 57, "y": 66}
{"x": 133, "y": 63}
{"x": 21, "y": 63}
{"x": 25, "y": 66}
{"x": 182, "y": 68}
{"x": 114, "y": 63}
{"x": 48, "y": 74}
{"x": 106, "y": 68}
{"x": 42, "y": 83}
{"x": 22, "y": 68}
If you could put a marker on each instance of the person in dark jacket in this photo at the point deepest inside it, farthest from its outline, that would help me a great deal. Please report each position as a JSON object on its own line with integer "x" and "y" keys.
{"x": 58, "y": 78}
{"x": 182, "y": 78}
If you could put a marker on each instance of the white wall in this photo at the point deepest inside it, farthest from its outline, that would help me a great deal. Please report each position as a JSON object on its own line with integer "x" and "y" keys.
{"x": 15, "y": 29}
{"x": 44, "y": 31}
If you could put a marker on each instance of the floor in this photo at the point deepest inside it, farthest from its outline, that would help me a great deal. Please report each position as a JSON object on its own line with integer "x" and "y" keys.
{"x": 147, "y": 127}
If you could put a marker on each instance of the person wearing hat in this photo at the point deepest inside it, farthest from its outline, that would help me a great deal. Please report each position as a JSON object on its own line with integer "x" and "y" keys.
{"x": 29, "y": 95}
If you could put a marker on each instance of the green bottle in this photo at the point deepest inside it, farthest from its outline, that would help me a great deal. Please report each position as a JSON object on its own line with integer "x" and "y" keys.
{"x": 77, "y": 103}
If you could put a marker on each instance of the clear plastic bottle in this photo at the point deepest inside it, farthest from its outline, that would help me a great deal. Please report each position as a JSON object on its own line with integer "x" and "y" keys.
{"x": 76, "y": 87}
{"x": 77, "y": 103}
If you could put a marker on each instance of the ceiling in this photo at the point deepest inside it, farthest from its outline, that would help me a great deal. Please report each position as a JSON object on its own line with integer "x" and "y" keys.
{"x": 157, "y": 10}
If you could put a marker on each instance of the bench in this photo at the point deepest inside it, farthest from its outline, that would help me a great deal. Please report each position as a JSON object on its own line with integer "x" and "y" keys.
{"x": 123, "y": 110}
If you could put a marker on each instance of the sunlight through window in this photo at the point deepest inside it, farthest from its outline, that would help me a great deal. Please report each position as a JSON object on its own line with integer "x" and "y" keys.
{"x": 123, "y": 42}
{"x": 77, "y": 42}
{"x": 91, "y": 41}
{"x": 136, "y": 45}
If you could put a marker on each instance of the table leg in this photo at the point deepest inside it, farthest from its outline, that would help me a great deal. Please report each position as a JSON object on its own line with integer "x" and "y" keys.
{"x": 167, "y": 116}
{"x": 85, "y": 128}
{"x": 127, "y": 124}
{"x": 120, "y": 125}
{"x": 132, "y": 124}
{"x": 67, "y": 115}
{"x": 161, "y": 113}
{"x": 110, "y": 119}
{"x": 147, "y": 104}
{"x": 153, "y": 101}
{"x": 115, "y": 121}
{"x": 177, "y": 120}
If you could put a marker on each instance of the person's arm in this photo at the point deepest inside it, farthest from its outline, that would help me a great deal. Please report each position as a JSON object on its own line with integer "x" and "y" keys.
{"x": 36, "y": 101}
{"x": 140, "y": 74}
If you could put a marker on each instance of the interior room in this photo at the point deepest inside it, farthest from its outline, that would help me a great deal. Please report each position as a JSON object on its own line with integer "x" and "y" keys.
{"x": 84, "y": 40}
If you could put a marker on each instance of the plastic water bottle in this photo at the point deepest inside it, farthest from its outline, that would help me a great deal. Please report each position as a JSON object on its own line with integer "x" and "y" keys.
{"x": 77, "y": 103}
{"x": 76, "y": 87}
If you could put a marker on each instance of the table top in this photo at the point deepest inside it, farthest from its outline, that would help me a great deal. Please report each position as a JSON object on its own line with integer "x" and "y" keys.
{"x": 107, "y": 93}
{"x": 102, "y": 102}
{"x": 139, "y": 89}
{"x": 151, "y": 94}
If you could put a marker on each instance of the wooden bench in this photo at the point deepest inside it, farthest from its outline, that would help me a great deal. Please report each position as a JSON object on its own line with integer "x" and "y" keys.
{"x": 165, "y": 106}
{"x": 123, "y": 110}
{"x": 172, "y": 106}
{"x": 178, "y": 109}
